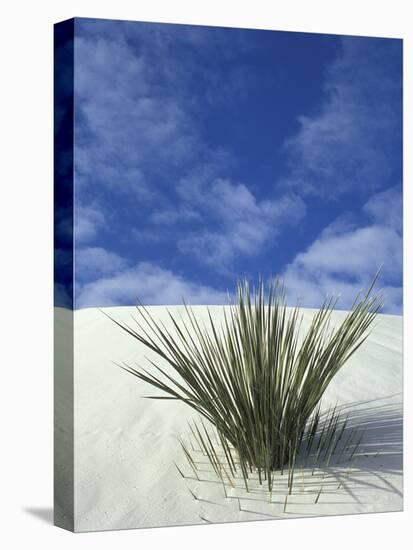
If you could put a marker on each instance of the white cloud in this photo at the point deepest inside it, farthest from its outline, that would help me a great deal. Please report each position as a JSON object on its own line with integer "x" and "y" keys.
{"x": 360, "y": 251}
{"x": 171, "y": 216}
{"x": 148, "y": 283}
{"x": 88, "y": 221}
{"x": 64, "y": 225}
{"x": 62, "y": 296}
{"x": 344, "y": 260}
{"x": 128, "y": 127}
{"x": 387, "y": 208}
{"x": 350, "y": 142}
{"x": 243, "y": 223}
{"x": 93, "y": 260}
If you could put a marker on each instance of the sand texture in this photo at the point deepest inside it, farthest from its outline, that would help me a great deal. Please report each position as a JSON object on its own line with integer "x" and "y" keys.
{"x": 126, "y": 446}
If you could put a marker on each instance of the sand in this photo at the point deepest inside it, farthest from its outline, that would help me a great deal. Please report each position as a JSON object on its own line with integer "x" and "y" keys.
{"x": 126, "y": 446}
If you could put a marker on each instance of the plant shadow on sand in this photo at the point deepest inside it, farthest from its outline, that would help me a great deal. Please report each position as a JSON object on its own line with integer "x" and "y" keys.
{"x": 381, "y": 451}
{"x": 373, "y": 470}
{"x": 383, "y": 429}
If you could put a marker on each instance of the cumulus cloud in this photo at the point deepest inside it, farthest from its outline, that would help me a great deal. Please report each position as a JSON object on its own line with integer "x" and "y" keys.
{"x": 347, "y": 144}
{"x": 128, "y": 124}
{"x": 95, "y": 260}
{"x": 343, "y": 260}
{"x": 172, "y": 216}
{"x": 386, "y": 208}
{"x": 63, "y": 225}
{"x": 242, "y": 223}
{"x": 63, "y": 295}
{"x": 148, "y": 283}
{"x": 88, "y": 221}
{"x": 360, "y": 251}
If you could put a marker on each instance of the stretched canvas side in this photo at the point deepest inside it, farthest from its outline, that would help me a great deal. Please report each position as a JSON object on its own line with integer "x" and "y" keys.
{"x": 63, "y": 275}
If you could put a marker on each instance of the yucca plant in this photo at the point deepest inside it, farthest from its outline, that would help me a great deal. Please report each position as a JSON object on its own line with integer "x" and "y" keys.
{"x": 255, "y": 377}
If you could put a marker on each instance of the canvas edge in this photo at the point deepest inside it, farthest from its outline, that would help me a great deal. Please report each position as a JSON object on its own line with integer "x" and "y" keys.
{"x": 63, "y": 160}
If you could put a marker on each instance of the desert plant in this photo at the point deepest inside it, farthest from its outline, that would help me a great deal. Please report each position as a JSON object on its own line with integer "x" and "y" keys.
{"x": 254, "y": 377}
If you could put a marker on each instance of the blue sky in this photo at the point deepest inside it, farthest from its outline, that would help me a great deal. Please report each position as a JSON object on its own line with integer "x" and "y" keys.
{"x": 203, "y": 155}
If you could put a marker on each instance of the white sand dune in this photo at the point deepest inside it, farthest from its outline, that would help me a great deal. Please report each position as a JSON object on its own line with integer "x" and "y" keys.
{"x": 126, "y": 446}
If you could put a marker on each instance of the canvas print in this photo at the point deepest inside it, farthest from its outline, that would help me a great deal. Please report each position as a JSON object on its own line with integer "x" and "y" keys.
{"x": 228, "y": 275}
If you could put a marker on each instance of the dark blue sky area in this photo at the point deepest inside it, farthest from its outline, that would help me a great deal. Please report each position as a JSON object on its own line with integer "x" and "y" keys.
{"x": 206, "y": 154}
